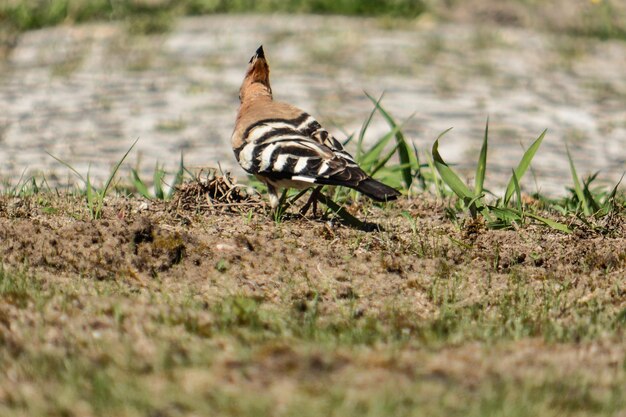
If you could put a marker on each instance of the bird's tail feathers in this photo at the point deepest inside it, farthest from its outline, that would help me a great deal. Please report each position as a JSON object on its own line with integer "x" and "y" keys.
{"x": 377, "y": 190}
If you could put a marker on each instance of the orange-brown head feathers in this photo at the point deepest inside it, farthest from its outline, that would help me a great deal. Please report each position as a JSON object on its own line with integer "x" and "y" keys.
{"x": 257, "y": 80}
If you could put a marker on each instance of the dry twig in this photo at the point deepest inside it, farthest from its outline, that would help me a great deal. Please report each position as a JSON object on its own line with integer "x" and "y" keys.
{"x": 211, "y": 192}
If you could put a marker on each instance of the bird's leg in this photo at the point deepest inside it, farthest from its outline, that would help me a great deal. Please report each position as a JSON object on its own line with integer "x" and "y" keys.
{"x": 273, "y": 195}
{"x": 277, "y": 204}
{"x": 319, "y": 191}
{"x": 312, "y": 200}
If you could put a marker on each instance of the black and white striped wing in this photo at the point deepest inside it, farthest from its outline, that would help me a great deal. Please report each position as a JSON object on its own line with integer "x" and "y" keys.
{"x": 311, "y": 128}
{"x": 282, "y": 149}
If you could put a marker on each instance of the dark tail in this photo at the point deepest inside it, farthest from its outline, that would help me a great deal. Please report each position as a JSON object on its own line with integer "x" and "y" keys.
{"x": 377, "y": 190}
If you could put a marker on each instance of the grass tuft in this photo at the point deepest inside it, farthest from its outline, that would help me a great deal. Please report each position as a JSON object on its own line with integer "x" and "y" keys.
{"x": 500, "y": 215}
{"x": 94, "y": 196}
{"x": 158, "y": 182}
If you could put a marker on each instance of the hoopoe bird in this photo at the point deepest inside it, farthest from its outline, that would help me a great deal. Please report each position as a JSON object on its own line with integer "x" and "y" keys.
{"x": 285, "y": 147}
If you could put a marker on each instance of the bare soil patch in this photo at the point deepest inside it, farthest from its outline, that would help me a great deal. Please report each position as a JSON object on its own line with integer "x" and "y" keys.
{"x": 144, "y": 238}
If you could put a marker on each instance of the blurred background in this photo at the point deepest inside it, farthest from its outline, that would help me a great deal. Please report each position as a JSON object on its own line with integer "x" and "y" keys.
{"x": 82, "y": 79}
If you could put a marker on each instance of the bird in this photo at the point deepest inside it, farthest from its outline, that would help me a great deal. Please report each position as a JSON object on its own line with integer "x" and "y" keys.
{"x": 285, "y": 147}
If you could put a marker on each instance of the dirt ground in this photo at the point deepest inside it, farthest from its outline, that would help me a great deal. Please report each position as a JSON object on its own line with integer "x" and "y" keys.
{"x": 161, "y": 308}
{"x": 140, "y": 239}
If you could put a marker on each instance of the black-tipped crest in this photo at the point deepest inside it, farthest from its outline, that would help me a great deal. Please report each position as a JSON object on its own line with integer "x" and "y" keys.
{"x": 258, "y": 54}
{"x": 257, "y": 80}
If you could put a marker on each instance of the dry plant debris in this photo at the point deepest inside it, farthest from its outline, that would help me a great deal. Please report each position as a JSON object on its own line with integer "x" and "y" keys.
{"x": 214, "y": 193}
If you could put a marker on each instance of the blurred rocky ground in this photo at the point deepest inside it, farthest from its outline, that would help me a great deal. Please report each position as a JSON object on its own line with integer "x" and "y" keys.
{"x": 85, "y": 92}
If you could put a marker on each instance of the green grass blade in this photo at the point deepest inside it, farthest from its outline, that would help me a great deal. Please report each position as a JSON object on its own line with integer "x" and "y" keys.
{"x": 404, "y": 151}
{"x": 178, "y": 178}
{"x": 90, "y": 198}
{"x": 348, "y": 139}
{"x": 13, "y": 191}
{"x": 141, "y": 187}
{"x": 359, "y": 144}
{"x": 158, "y": 182}
{"x": 192, "y": 174}
{"x": 577, "y": 187}
{"x": 100, "y": 195}
{"x": 506, "y": 215}
{"x": 523, "y": 166}
{"x": 418, "y": 173}
{"x": 439, "y": 191}
{"x": 610, "y": 204}
{"x": 116, "y": 168}
{"x": 383, "y": 161}
{"x": 448, "y": 176}
{"x": 71, "y": 168}
{"x": 481, "y": 168}
{"x": 518, "y": 191}
{"x": 551, "y": 223}
{"x": 371, "y": 157}
{"x": 477, "y": 202}
{"x": 593, "y": 205}
{"x": 613, "y": 192}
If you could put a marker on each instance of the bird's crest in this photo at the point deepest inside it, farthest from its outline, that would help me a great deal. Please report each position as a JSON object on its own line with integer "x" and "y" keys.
{"x": 258, "y": 54}
{"x": 257, "y": 80}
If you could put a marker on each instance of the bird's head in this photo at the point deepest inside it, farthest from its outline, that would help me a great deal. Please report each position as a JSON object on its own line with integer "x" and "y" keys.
{"x": 257, "y": 80}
